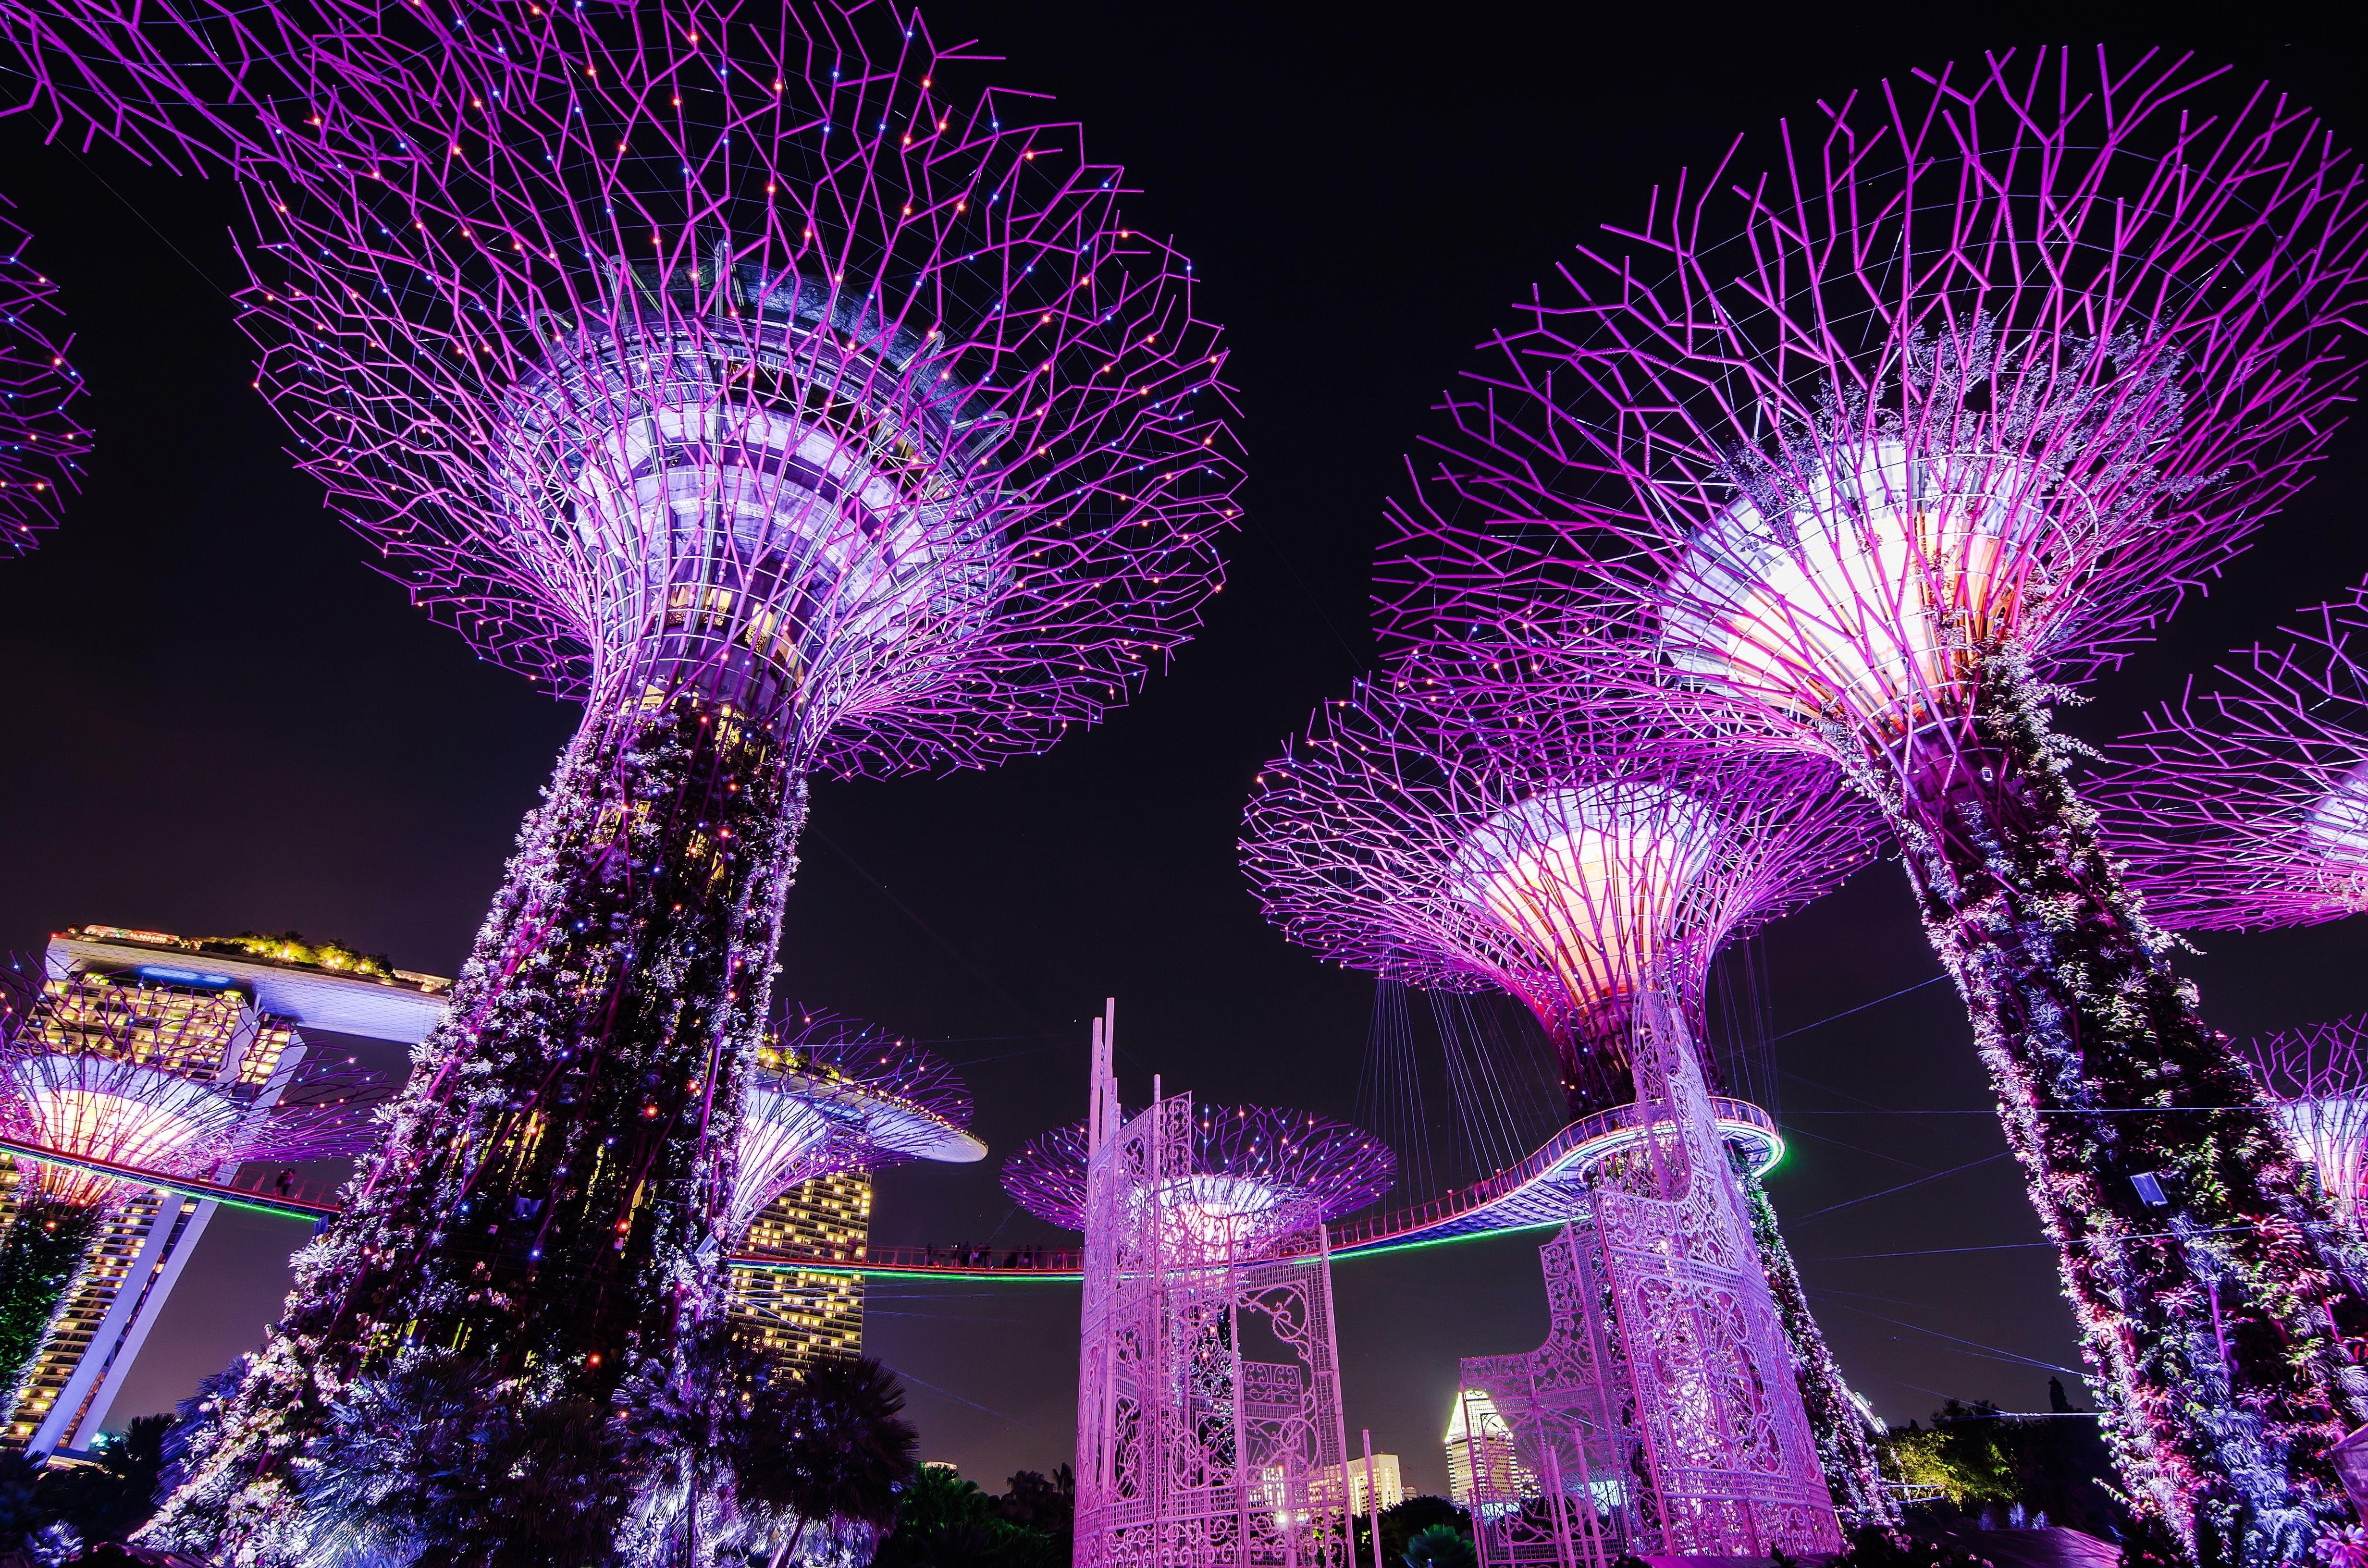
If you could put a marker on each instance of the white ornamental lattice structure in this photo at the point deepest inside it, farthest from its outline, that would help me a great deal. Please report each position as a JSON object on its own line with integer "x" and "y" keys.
{"x": 1656, "y": 1417}
{"x": 1209, "y": 1426}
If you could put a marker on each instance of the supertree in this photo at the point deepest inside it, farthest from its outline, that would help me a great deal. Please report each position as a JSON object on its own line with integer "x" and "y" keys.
{"x": 1871, "y": 455}
{"x": 829, "y": 1095}
{"x": 41, "y": 444}
{"x": 2246, "y": 804}
{"x": 795, "y": 407}
{"x": 2317, "y": 1078}
{"x": 152, "y": 1078}
{"x": 1258, "y": 1178}
{"x": 1205, "y": 1234}
{"x": 1581, "y": 863}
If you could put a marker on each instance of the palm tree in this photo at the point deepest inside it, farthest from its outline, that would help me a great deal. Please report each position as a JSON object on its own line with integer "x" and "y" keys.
{"x": 1440, "y": 1546}
{"x": 830, "y": 1448}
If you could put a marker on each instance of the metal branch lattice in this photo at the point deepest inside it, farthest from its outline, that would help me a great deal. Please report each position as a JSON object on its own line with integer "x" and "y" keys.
{"x": 2246, "y": 804}
{"x": 830, "y": 1094}
{"x": 1209, "y": 1427}
{"x": 1861, "y": 455}
{"x": 41, "y": 442}
{"x": 1257, "y": 1174}
{"x": 2318, "y": 1076}
{"x": 1570, "y": 857}
{"x": 1816, "y": 439}
{"x": 749, "y": 351}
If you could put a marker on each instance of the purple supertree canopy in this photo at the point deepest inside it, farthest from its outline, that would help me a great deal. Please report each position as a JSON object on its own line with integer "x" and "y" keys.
{"x": 2246, "y": 804}
{"x": 1569, "y": 857}
{"x": 2012, "y": 360}
{"x": 1862, "y": 454}
{"x": 149, "y": 1076}
{"x": 1578, "y": 861}
{"x": 831, "y": 1095}
{"x": 168, "y": 1081}
{"x": 2318, "y": 1078}
{"x": 1256, "y": 1176}
{"x": 41, "y": 445}
{"x": 759, "y": 355}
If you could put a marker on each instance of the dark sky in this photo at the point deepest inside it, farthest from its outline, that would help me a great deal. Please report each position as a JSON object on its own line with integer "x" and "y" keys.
{"x": 220, "y": 719}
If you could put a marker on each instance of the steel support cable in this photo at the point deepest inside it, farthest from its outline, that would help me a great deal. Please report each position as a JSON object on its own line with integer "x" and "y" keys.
{"x": 1919, "y": 1181}
{"x": 1973, "y": 1347}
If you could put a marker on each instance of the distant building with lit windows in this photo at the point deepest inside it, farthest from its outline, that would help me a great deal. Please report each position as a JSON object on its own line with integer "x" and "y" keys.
{"x": 233, "y": 1009}
{"x": 1387, "y": 1482}
{"x": 1324, "y": 1487}
{"x": 796, "y": 1315}
{"x": 1480, "y": 1448}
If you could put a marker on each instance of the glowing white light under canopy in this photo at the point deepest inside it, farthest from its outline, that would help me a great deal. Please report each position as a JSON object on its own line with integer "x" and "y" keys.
{"x": 100, "y": 1108}
{"x": 796, "y": 1126}
{"x": 1225, "y": 1215}
{"x": 1859, "y": 601}
{"x": 1593, "y": 877}
{"x": 2332, "y": 1133}
{"x": 800, "y": 507}
{"x": 2336, "y": 825}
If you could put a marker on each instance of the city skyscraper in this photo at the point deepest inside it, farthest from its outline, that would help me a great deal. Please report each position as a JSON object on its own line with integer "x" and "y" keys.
{"x": 796, "y": 1315}
{"x": 1480, "y": 1448}
{"x": 234, "y": 1008}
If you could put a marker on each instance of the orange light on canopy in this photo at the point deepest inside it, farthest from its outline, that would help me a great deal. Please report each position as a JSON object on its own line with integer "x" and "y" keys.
{"x": 99, "y": 1108}
{"x": 1860, "y": 593}
{"x": 1594, "y": 877}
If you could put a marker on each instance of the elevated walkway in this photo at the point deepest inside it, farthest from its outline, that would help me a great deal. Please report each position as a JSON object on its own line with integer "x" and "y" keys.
{"x": 1543, "y": 1190}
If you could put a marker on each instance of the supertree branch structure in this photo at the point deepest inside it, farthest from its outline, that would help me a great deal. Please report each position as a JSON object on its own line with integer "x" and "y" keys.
{"x": 2317, "y": 1078}
{"x": 1568, "y": 857}
{"x": 153, "y": 1077}
{"x": 2246, "y": 804}
{"x": 1257, "y": 1178}
{"x": 1581, "y": 863}
{"x": 1863, "y": 454}
{"x": 41, "y": 442}
{"x": 831, "y": 1095}
{"x": 791, "y": 403}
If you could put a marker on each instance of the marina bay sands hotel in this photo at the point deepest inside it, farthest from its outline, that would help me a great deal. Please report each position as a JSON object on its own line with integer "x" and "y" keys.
{"x": 261, "y": 999}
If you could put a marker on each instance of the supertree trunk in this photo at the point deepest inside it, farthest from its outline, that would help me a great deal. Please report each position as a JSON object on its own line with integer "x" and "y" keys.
{"x": 1844, "y": 1447}
{"x": 2202, "y": 1269}
{"x": 42, "y": 1259}
{"x": 550, "y": 1197}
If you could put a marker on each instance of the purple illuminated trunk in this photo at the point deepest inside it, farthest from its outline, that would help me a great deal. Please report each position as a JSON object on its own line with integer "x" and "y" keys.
{"x": 2202, "y": 1270}
{"x": 548, "y": 1200}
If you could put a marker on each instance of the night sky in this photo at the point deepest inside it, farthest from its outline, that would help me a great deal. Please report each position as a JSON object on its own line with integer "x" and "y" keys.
{"x": 219, "y": 718}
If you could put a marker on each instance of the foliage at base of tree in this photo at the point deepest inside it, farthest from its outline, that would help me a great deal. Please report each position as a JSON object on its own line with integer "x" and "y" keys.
{"x": 1401, "y": 1522}
{"x": 1895, "y": 1549}
{"x": 1440, "y": 1546}
{"x": 943, "y": 1521}
{"x": 114, "y": 1495}
{"x": 2056, "y": 1465}
{"x": 46, "y": 1510}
